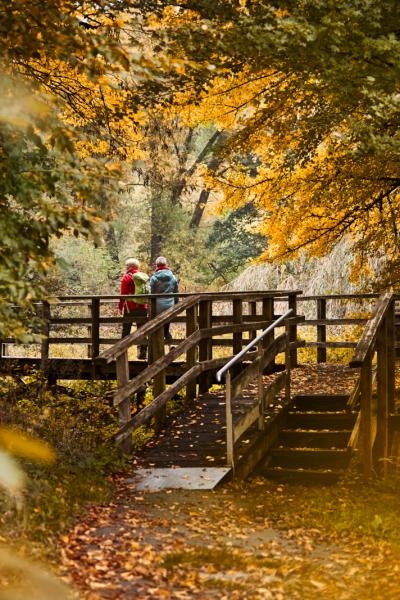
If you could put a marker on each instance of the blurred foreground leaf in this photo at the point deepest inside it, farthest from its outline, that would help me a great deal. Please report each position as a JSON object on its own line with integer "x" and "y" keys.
{"x": 11, "y": 476}
{"x": 21, "y": 444}
{"x": 34, "y": 582}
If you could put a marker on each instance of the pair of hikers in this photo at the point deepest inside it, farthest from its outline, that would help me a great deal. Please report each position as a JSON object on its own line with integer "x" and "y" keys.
{"x": 135, "y": 282}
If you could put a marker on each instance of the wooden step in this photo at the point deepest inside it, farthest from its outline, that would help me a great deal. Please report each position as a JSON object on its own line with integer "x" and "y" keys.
{"x": 303, "y": 476}
{"x": 320, "y": 458}
{"x": 321, "y": 402}
{"x": 320, "y": 420}
{"x": 301, "y": 438}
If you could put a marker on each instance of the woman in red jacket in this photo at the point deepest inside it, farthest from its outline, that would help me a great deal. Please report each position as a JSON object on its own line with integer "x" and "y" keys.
{"x": 133, "y": 282}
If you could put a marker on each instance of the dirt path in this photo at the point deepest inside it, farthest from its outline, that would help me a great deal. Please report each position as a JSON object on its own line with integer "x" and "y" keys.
{"x": 253, "y": 540}
{"x": 220, "y": 544}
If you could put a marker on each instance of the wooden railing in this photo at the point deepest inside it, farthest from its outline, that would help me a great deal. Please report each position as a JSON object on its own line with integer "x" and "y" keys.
{"x": 323, "y": 324}
{"x": 372, "y": 426}
{"x": 202, "y": 334}
{"x": 235, "y": 384}
{"x": 101, "y": 311}
{"x": 97, "y": 315}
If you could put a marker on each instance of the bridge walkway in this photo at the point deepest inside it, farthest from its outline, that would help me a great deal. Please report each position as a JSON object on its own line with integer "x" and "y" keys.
{"x": 234, "y": 425}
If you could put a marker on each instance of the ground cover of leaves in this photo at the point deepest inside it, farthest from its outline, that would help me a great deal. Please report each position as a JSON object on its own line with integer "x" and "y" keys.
{"x": 250, "y": 540}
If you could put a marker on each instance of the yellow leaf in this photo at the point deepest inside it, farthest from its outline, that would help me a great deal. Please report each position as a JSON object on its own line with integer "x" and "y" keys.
{"x": 21, "y": 444}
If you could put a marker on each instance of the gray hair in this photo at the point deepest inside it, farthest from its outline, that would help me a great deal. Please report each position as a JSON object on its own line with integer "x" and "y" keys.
{"x": 132, "y": 262}
{"x": 161, "y": 260}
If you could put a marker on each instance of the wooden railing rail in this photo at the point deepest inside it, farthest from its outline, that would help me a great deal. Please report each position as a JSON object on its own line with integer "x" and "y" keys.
{"x": 378, "y": 337}
{"x": 234, "y": 385}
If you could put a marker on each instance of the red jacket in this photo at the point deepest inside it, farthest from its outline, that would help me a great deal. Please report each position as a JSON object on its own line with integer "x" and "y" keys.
{"x": 127, "y": 289}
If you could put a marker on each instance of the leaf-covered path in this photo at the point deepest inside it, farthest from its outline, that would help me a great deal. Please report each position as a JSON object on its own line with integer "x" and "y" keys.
{"x": 252, "y": 540}
{"x": 225, "y": 544}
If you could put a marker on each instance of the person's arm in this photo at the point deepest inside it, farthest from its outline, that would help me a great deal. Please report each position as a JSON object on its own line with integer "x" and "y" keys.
{"x": 152, "y": 283}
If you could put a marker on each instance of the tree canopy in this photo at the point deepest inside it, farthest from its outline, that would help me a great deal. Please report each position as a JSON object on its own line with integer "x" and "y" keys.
{"x": 312, "y": 88}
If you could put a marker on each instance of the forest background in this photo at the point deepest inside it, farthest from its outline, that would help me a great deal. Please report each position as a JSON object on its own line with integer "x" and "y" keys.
{"x": 254, "y": 143}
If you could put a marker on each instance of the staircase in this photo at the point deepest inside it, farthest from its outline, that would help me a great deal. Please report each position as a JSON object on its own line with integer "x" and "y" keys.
{"x": 313, "y": 446}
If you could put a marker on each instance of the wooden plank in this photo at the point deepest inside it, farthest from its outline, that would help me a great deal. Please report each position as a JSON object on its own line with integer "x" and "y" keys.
{"x": 382, "y": 438}
{"x": 154, "y": 368}
{"x": 354, "y": 396}
{"x": 276, "y": 347}
{"x": 367, "y": 296}
{"x": 268, "y": 315}
{"x": 95, "y": 332}
{"x": 368, "y": 337}
{"x": 246, "y": 421}
{"x": 237, "y": 309}
{"x": 159, "y": 382}
{"x": 45, "y": 346}
{"x": 292, "y": 303}
{"x": 321, "y": 330}
{"x": 252, "y": 313}
{"x": 288, "y": 365}
{"x": 391, "y": 356}
{"x": 124, "y": 411}
{"x": 71, "y": 321}
{"x": 331, "y": 322}
{"x": 244, "y": 378}
{"x": 366, "y": 415}
{"x": 331, "y": 345}
{"x": 260, "y": 388}
{"x": 191, "y": 326}
{"x": 158, "y": 403}
{"x": 230, "y": 439}
{"x": 211, "y": 295}
{"x": 205, "y": 345}
{"x": 353, "y": 440}
{"x": 272, "y": 390}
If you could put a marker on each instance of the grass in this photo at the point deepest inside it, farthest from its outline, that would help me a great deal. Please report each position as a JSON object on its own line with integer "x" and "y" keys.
{"x": 370, "y": 509}
{"x": 78, "y": 422}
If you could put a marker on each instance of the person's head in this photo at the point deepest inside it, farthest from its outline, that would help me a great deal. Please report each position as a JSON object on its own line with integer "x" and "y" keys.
{"x": 161, "y": 261}
{"x": 132, "y": 262}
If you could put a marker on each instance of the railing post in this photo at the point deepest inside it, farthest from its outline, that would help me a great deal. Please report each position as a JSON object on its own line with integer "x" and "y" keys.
{"x": 152, "y": 315}
{"x": 321, "y": 330}
{"x": 366, "y": 414}
{"x": 191, "y": 325}
{"x": 237, "y": 309}
{"x": 287, "y": 363}
{"x": 391, "y": 356}
{"x": 293, "y": 329}
{"x": 229, "y": 421}
{"x": 45, "y": 343}
{"x": 268, "y": 315}
{"x": 253, "y": 313}
{"x": 381, "y": 442}
{"x": 95, "y": 327}
{"x": 261, "y": 423}
{"x": 205, "y": 345}
{"x": 157, "y": 350}
{"x": 124, "y": 409}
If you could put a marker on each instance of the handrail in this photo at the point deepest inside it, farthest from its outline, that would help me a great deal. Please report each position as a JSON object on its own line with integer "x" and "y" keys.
{"x": 205, "y": 295}
{"x": 369, "y": 334}
{"x": 253, "y": 343}
{"x": 146, "y": 329}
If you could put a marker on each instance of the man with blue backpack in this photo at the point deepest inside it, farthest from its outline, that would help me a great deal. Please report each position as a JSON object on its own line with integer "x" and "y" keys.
{"x": 163, "y": 281}
{"x": 134, "y": 282}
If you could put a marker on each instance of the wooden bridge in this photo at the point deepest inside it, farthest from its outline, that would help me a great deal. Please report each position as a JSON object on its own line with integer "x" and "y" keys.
{"x": 252, "y": 341}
